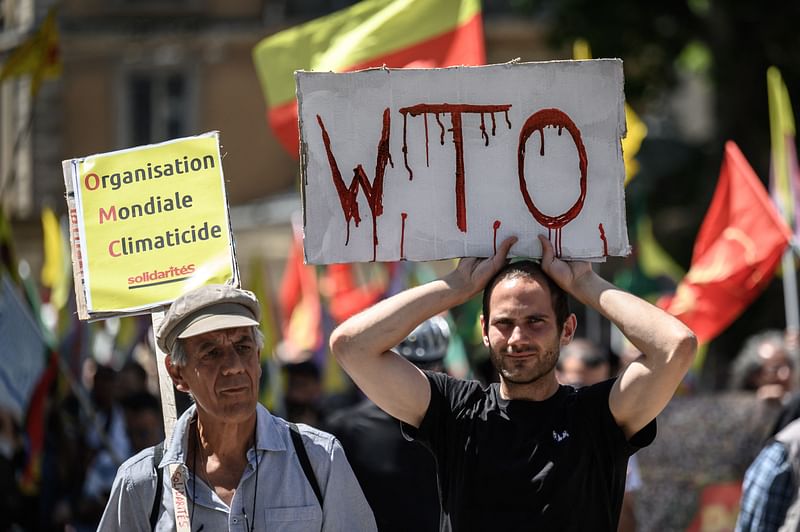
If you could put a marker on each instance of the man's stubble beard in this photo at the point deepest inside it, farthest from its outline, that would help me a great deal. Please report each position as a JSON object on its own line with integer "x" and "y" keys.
{"x": 541, "y": 364}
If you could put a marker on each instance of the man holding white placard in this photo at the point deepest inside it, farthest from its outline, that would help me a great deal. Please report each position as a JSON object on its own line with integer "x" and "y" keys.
{"x": 527, "y": 454}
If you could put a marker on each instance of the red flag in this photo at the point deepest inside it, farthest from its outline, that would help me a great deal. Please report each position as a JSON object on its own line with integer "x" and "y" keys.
{"x": 346, "y": 297}
{"x": 35, "y": 422}
{"x": 301, "y": 318}
{"x": 736, "y": 252}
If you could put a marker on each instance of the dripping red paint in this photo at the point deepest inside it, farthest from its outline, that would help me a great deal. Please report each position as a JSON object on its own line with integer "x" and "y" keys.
{"x": 538, "y": 122}
{"x": 604, "y": 239}
{"x": 496, "y": 226}
{"x": 403, "y": 216}
{"x": 348, "y": 196}
{"x": 455, "y": 111}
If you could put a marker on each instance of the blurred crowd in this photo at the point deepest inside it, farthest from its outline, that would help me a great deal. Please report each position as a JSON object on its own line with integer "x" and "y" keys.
{"x": 112, "y": 413}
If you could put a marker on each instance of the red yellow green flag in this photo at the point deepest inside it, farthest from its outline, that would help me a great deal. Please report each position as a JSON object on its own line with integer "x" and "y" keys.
{"x": 395, "y": 33}
{"x": 261, "y": 286}
{"x": 37, "y": 57}
{"x": 301, "y": 310}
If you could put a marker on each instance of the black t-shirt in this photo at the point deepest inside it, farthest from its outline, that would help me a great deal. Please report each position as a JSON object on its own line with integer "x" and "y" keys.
{"x": 557, "y": 464}
{"x": 398, "y": 477}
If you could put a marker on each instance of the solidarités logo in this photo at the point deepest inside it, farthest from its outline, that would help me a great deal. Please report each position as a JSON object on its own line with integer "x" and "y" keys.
{"x": 172, "y": 274}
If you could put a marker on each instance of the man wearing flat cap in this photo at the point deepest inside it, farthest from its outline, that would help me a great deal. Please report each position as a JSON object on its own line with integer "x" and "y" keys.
{"x": 244, "y": 468}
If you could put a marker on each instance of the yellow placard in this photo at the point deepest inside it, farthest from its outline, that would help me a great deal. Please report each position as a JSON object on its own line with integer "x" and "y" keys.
{"x": 153, "y": 223}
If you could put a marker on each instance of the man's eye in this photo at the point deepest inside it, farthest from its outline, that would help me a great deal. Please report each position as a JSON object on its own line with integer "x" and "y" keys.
{"x": 214, "y": 353}
{"x": 244, "y": 348}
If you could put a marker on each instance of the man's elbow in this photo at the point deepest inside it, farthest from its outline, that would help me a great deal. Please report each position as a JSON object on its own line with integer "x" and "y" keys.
{"x": 685, "y": 348}
{"x": 339, "y": 342}
{"x": 344, "y": 345}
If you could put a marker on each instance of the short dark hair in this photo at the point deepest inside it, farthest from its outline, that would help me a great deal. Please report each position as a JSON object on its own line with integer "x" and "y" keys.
{"x": 141, "y": 401}
{"x": 530, "y": 270}
{"x": 133, "y": 367}
{"x": 307, "y": 368}
{"x": 589, "y": 353}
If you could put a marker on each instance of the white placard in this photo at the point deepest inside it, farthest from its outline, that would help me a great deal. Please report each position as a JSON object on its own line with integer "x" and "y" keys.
{"x": 424, "y": 164}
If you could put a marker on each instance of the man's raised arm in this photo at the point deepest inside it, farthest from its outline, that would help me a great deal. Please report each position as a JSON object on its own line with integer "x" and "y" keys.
{"x": 363, "y": 343}
{"x": 667, "y": 345}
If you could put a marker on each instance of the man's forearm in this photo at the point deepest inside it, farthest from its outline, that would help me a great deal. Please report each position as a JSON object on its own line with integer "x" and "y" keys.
{"x": 362, "y": 346}
{"x": 383, "y": 326}
{"x": 387, "y": 323}
{"x": 667, "y": 346}
{"x": 657, "y": 334}
{"x": 362, "y": 343}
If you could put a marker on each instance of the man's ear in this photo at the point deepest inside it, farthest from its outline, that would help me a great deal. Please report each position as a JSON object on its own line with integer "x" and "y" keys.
{"x": 176, "y": 374}
{"x": 484, "y": 334}
{"x": 568, "y": 330}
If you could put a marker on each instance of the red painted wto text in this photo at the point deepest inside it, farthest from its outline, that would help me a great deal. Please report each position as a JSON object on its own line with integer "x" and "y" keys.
{"x": 373, "y": 192}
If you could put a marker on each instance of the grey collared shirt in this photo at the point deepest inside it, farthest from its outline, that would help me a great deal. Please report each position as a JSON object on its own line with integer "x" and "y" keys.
{"x": 284, "y": 499}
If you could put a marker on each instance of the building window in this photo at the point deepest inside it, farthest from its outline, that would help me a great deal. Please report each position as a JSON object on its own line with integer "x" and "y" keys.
{"x": 158, "y": 106}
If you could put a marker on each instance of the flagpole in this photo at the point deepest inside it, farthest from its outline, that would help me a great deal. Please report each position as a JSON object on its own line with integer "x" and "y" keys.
{"x": 168, "y": 407}
{"x": 177, "y": 472}
{"x": 790, "y": 300}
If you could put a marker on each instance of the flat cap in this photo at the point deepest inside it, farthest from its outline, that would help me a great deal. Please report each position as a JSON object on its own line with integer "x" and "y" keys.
{"x": 205, "y": 309}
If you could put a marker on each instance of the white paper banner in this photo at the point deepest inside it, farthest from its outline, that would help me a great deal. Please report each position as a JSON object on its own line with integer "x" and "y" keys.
{"x": 404, "y": 164}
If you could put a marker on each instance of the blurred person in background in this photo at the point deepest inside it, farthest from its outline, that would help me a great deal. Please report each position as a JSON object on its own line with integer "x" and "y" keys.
{"x": 772, "y": 482}
{"x": 107, "y": 445}
{"x": 771, "y": 485}
{"x": 85, "y": 440}
{"x": 584, "y": 363}
{"x": 13, "y": 513}
{"x": 131, "y": 380}
{"x": 765, "y": 366}
{"x": 398, "y": 476}
{"x": 303, "y": 395}
{"x": 144, "y": 422}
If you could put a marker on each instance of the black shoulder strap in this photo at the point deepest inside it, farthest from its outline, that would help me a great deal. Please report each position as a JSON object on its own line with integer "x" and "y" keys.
{"x": 158, "y": 453}
{"x": 297, "y": 440}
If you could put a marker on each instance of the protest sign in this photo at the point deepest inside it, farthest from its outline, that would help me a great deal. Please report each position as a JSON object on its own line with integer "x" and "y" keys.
{"x": 423, "y": 164}
{"x": 148, "y": 224}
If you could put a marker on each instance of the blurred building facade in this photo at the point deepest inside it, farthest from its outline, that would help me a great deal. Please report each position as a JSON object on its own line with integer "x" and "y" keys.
{"x": 137, "y": 72}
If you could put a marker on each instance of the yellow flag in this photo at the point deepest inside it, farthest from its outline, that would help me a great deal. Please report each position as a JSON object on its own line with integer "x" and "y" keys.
{"x": 653, "y": 260}
{"x": 56, "y": 271}
{"x": 784, "y": 173}
{"x": 37, "y": 57}
{"x": 637, "y": 130}
{"x": 581, "y": 50}
{"x": 261, "y": 286}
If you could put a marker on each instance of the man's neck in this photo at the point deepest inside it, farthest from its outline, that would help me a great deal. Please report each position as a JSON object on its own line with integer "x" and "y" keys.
{"x": 542, "y": 388}
{"x": 220, "y": 453}
{"x": 225, "y": 442}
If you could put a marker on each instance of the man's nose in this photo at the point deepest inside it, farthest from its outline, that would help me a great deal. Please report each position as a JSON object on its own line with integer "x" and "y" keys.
{"x": 232, "y": 362}
{"x": 518, "y": 335}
